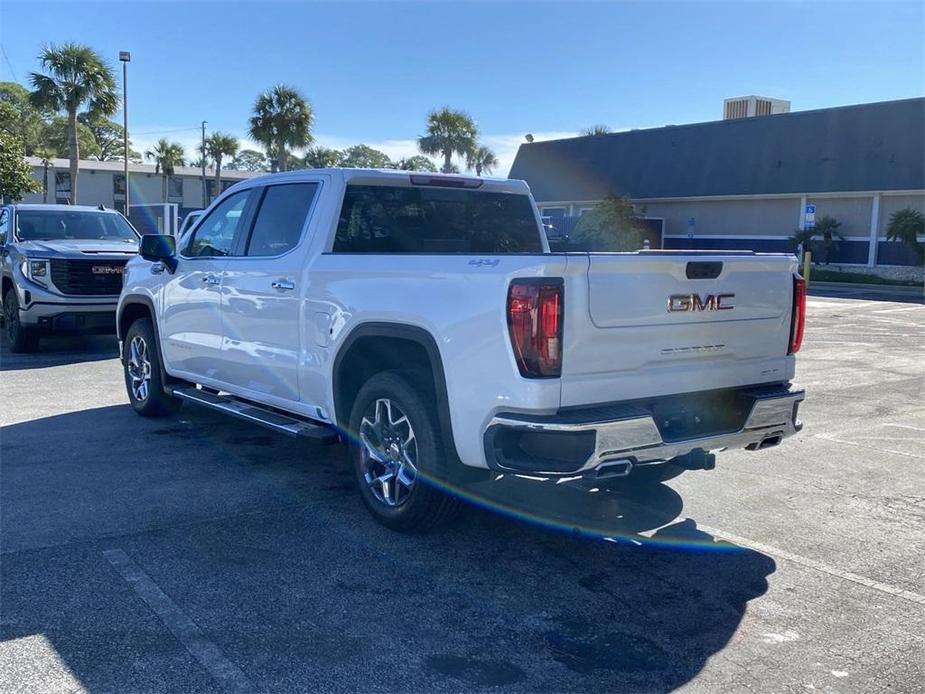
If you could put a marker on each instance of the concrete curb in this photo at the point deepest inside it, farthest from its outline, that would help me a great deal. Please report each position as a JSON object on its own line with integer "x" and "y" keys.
{"x": 892, "y": 288}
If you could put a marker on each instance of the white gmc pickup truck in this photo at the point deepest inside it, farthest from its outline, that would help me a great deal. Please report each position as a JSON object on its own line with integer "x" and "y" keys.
{"x": 423, "y": 319}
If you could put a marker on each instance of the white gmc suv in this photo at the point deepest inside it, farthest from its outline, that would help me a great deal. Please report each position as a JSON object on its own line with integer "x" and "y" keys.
{"x": 423, "y": 319}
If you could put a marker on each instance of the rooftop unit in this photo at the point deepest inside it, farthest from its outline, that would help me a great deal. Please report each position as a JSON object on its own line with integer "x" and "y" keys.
{"x": 750, "y": 106}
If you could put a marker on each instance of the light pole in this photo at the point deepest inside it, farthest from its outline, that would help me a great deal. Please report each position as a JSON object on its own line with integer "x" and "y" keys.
{"x": 125, "y": 57}
{"x": 203, "y": 158}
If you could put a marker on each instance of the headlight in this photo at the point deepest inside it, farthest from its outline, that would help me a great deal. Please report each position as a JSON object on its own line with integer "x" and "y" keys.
{"x": 35, "y": 270}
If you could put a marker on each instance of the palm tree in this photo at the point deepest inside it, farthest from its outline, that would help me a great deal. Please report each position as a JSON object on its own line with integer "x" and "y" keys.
{"x": 46, "y": 153}
{"x": 322, "y": 158}
{"x": 448, "y": 132}
{"x": 218, "y": 146}
{"x": 598, "y": 129}
{"x": 76, "y": 76}
{"x": 282, "y": 118}
{"x": 481, "y": 159}
{"x": 906, "y": 225}
{"x": 166, "y": 156}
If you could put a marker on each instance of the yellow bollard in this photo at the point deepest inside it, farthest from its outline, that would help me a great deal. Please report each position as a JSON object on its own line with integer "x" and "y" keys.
{"x": 807, "y": 260}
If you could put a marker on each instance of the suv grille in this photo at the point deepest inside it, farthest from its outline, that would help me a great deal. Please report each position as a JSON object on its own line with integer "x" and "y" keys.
{"x": 88, "y": 277}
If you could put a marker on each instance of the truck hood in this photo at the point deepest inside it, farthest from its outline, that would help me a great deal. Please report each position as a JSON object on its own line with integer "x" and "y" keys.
{"x": 75, "y": 248}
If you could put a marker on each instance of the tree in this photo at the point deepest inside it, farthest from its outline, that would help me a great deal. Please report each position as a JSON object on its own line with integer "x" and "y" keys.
{"x": 46, "y": 154}
{"x": 609, "y": 226}
{"x": 15, "y": 173}
{"x": 282, "y": 119}
{"x": 218, "y": 146}
{"x": 322, "y": 158}
{"x": 75, "y": 76}
{"x": 110, "y": 138}
{"x": 19, "y": 116}
{"x": 598, "y": 129}
{"x": 481, "y": 159}
{"x": 249, "y": 160}
{"x": 906, "y": 225}
{"x": 56, "y": 136}
{"x": 166, "y": 156}
{"x": 449, "y": 132}
{"x": 820, "y": 239}
{"x": 418, "y": 162}
{"x": 365, "y": 157}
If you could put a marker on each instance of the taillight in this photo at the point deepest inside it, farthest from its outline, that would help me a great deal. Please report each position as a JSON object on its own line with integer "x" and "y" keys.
{"x": 534, "y": 319}
{"x": 798, "y": 322}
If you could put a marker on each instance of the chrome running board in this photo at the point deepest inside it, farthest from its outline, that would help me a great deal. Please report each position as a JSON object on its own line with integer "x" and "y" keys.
{"x": 258, "y": 414}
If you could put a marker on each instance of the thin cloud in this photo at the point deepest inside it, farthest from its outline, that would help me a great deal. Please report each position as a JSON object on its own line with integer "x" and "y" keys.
{"x": 504, "y": 145}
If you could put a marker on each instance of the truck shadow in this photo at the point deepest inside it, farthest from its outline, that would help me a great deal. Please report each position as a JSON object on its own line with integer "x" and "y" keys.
{"x": 58, "y": 351}
{"x": 265, "y": 539}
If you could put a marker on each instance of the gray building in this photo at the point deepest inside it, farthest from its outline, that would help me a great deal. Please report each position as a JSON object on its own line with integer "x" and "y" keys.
{"x": 745, "y": 183}
{"x": 103, "y": 183}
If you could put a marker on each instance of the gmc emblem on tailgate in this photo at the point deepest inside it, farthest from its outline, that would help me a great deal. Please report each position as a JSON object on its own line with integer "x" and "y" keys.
{"x": 694, "y": 302}
{"x": 107, "y": 269}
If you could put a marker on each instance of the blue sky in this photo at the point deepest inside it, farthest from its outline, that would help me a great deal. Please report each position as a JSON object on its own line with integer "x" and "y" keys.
{"x": 373, "y": 70}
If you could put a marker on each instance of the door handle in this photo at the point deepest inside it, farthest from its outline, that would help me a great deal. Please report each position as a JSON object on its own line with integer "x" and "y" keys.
{"x": 211, "y": 279}
{"x": 283, "y": 284}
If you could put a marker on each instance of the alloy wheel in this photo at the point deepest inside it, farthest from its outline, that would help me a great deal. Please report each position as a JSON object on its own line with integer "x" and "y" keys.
{"x": 389, "y": 452}
{"x": 139, "y": 368}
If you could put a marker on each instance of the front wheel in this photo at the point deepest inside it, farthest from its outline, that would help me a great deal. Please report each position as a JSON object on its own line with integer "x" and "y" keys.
{"x": 395, "y": 442}
{"x": 20, "y": 338}
{"x": 143, "y": 379}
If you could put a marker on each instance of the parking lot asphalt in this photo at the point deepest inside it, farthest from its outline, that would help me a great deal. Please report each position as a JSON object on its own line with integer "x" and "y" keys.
{"x": 199, "y": 554}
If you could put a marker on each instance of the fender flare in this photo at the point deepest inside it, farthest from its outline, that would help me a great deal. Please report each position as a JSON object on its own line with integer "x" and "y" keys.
{"x": 423, "y": 338}
{"x": 141, "y": 300}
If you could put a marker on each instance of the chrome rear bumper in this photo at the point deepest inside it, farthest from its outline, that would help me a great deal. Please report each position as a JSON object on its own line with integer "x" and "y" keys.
{"x": 634, "y": 435}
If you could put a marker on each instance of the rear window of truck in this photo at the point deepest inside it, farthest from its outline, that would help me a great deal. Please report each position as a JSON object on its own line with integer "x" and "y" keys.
{"x": 389, "y": 219}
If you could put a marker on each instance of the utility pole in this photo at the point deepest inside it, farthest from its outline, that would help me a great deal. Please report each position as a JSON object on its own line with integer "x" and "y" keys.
{"x": 125, "y": 57}
{"x": 205, "y": 202}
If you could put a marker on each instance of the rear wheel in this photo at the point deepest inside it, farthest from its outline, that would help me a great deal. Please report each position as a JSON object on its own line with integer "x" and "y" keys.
{"x": 396, "y": 442}
{"x": 142, "y": 367}
{"x": 21, "y": 339}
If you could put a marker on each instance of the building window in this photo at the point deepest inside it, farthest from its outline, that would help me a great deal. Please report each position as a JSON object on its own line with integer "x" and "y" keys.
{"x": 118, "y": 187}
{"x": 227, "y": 184}
{"x": 553, "y": 212}
{"x": 211, "y": 193}
{"x": 175, "y": 189}
{"x": 62, "y": 185}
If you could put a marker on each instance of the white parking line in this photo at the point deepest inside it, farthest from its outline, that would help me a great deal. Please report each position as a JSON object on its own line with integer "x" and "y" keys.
{"x": 226, "y": 673}
{"x": 817, "y": 565}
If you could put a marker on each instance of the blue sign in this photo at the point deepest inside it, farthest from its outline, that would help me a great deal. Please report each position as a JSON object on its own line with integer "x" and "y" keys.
{"x": 809, "y": 217}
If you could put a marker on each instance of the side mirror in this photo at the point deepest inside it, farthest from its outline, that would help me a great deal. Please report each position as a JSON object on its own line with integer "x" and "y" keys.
{"x": 159, "y": 248}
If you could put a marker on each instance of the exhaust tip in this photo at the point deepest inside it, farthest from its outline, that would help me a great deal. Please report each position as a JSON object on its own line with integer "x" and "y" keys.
{"x": 614, "y": 468}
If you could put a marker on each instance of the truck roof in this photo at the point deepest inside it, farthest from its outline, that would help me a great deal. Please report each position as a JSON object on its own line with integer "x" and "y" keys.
{"x": 498, "y": 185}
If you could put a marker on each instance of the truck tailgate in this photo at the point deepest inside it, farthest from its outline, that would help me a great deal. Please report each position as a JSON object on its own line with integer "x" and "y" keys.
{"x": 656, "y": 323}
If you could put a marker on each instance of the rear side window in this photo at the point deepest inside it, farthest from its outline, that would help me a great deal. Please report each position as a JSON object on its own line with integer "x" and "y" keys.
{"x": 280, "y": 218}
{"x": 387, "y": 219}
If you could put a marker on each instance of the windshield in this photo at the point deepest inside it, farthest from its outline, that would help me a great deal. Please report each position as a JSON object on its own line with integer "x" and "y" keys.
{"x": 55, "y": 225}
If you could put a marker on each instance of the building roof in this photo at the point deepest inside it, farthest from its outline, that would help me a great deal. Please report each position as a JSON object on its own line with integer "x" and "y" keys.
{"x": 867, "y": 147}
{"x": 118, "y": 167}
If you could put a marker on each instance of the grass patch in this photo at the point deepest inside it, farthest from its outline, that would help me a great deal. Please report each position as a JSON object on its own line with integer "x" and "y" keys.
{"x": 822, "y": 275}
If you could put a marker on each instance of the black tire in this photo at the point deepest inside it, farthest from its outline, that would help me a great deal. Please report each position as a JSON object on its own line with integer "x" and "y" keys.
{"x": 424, "y": 506}
{"x": 152, "y": 400}
{"x": 20, "y": 339}
{"x": 647, "y": 475}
